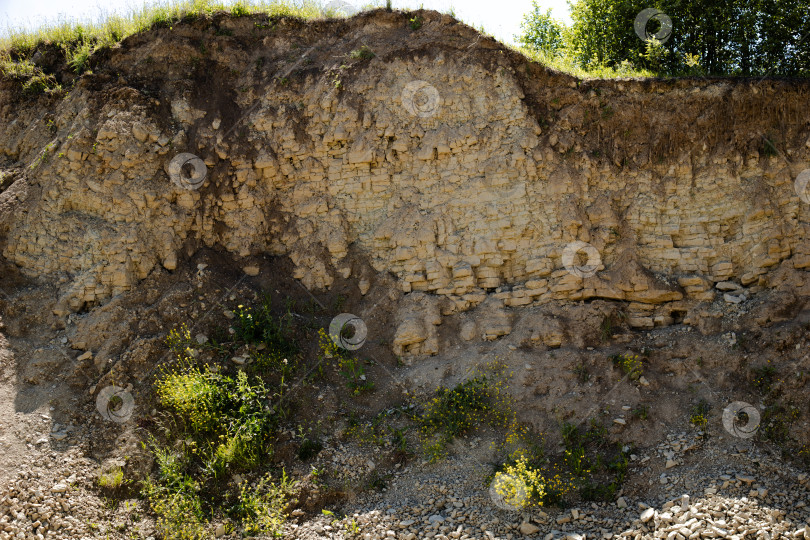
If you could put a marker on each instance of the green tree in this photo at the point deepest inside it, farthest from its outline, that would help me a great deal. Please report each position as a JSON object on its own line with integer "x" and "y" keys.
{"x": 737, "y": 37}
{"x": 540, "y": 31}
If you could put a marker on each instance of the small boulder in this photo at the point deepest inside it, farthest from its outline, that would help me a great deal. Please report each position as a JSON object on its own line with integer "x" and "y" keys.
{"x": 527, "y": 528}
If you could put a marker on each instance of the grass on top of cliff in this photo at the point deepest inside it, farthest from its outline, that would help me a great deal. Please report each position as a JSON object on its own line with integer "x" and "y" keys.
{"x": 78, "y": 40}
{"x": 24, "y": 53}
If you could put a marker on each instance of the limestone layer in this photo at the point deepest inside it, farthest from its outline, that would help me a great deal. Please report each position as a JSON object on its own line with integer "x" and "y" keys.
{"x": 446, "y": 159}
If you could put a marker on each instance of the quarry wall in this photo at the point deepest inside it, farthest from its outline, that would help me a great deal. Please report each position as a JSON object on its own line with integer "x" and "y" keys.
{"x": 438, "y": 155}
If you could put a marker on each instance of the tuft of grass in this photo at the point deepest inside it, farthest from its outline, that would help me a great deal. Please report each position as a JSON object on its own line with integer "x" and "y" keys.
{"x": 112, "y": 479}
{"x": 220, "y": 425}
{"x": 259, "y": 325}
{"x": 641, "y": 412}
{"x": 363, "y": 53}
{"x": 768, "y": 148}
{"x": 763, "y": 378}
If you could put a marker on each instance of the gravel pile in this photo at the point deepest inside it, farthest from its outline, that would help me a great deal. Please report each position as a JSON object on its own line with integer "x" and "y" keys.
{"x": 708, "y": 493}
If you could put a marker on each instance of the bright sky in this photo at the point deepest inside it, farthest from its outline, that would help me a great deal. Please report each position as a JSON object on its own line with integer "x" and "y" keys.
{"x": 500, "y": 18}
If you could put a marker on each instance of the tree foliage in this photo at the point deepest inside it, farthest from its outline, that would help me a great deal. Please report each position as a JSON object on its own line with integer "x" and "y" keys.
{"x": 540, "y": 31}
{"x": 737, "y": 37}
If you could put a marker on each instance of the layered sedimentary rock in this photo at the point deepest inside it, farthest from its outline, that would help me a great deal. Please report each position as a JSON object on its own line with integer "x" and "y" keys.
{"x": 447, "y": 160}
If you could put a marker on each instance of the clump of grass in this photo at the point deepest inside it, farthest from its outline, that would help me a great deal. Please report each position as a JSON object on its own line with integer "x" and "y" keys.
{"x": 598, "y": 467}
{"x": 261, "y": 506}
{"x": 383, "y": 429}
{"x": 34, "y": 80}
{"x": 363, "y": 53}
{"x": 777, "y": 422}
{"x": 349, "y": 366}
{"x": 259, "y": 325}
{"x": 606, "y": 328}
{"x": 415, "y": 22}
{"x": 216, "y": 425}
{"x": 174, "y": 496}
{"x": 763, "y": 378}
{"x": 112, "y": 479}
{"x": 768, "y": 148}
{"x": 641, "y": 412}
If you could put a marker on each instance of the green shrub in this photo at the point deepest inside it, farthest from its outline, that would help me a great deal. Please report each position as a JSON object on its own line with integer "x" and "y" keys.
{"x": 777, "y": 422}
{"x": 261, "y": 507}
{"x": 598, "y": 467}
{"x": 520, "y": 485}
{"x": 259, "y": 325}
{"x": 763, "y": 378}
{"x": 363, "y": 53}
{"x": 453, "y": 412}
{"x": 631, "y": 365}
{"x": 700, "y": 411}
{"x": 221, "y": 424}
{"x": 174, "y": 497}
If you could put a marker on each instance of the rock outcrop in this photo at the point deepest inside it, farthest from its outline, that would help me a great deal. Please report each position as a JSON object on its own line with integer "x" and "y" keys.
{"x": 447, "y": 160}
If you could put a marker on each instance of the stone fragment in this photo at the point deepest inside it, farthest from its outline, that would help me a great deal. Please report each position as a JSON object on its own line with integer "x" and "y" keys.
{"x": 527, "y": 528}
{"x": 727, "y": 286}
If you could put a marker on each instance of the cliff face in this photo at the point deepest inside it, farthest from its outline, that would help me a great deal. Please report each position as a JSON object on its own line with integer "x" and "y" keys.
{"x": 476, "y": 212}
{"x": 436, "y": 155}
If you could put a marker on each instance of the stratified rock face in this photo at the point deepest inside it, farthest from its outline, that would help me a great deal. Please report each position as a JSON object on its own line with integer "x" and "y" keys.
{"x": 446, "y": 159}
